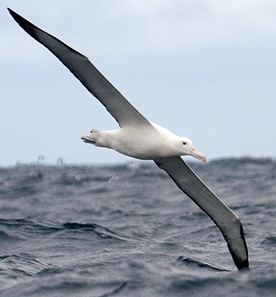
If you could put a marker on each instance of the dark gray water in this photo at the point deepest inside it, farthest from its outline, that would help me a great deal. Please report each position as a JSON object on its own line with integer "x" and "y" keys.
{"x": 128, "y": 231}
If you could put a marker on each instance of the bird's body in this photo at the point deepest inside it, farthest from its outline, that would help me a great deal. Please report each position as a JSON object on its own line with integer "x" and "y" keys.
{"x": 139, "y": 138}
{"x": 148, "y": 142}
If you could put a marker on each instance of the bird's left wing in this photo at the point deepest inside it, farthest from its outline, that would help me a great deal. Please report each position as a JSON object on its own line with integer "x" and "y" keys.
{"x": 227, "y": 221}
{"x": 116, "y": 104}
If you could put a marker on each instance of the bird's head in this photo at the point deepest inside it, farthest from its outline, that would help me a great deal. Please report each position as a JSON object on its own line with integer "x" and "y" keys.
{"x": 186, "y": 147}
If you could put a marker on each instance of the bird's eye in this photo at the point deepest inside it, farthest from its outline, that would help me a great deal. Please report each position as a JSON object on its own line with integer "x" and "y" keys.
{"x": 184, "y": 143}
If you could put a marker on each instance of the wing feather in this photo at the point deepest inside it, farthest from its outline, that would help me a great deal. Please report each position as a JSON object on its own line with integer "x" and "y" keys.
{"x": 227, "y": 221}
{"x": 116, "y": 104}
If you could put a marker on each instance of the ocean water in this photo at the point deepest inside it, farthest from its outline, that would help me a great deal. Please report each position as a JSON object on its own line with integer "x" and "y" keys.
{"x": 127, "y": 230}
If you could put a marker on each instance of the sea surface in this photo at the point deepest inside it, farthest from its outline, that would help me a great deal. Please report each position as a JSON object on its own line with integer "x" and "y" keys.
{"x": 127, "y": 230}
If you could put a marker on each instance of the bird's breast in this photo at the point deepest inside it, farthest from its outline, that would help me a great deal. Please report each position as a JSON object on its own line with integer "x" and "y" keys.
{"x": 140, "y": 144}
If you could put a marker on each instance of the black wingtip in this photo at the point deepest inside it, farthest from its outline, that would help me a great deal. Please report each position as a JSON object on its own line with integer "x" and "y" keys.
{"x": 23, "y": 23}
{"x": 13, "y": 13}
{"x": 16, "y": 16}
{"x": 241, "y": 263}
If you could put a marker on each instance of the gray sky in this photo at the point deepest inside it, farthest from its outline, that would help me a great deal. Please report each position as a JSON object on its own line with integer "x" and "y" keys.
{"x": 203, "y": 69}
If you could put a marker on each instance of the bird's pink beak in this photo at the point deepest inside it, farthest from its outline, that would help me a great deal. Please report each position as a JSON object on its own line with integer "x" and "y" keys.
{"x": 198, "y": 155}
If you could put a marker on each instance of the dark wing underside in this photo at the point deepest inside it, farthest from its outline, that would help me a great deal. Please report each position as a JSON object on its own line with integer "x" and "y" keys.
{"x": 116, "y": 104}
{"x": 228, "y": 223}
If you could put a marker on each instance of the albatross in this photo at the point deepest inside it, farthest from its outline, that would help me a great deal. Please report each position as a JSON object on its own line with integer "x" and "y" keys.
{"x": 139, "y": 138}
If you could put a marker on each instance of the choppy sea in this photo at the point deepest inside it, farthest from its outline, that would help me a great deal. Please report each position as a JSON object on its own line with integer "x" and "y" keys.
{"x": 127, "y": 230}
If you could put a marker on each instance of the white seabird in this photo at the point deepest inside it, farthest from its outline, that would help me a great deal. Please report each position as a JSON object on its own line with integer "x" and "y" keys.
{"x": 139, "y": 138}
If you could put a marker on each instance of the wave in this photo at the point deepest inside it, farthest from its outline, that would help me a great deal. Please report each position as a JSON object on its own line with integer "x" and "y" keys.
{"x": 26, "y": 228}
{"x": 200, "y": 264}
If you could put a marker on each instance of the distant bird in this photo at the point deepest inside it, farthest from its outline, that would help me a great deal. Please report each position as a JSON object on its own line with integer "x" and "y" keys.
{"x": 139, "y": 138}
{"x": 40, "y": 158}
{"x": 60, "y": 161}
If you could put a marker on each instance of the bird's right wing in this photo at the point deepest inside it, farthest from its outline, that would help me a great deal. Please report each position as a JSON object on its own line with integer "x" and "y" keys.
{"x": 116, "y": 104}
{"x": 227, "y": 221}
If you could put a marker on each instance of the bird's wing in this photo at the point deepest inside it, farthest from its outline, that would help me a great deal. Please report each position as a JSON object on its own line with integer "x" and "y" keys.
{"x": 116, "y": 104}
{"x": 227, "y": 221}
